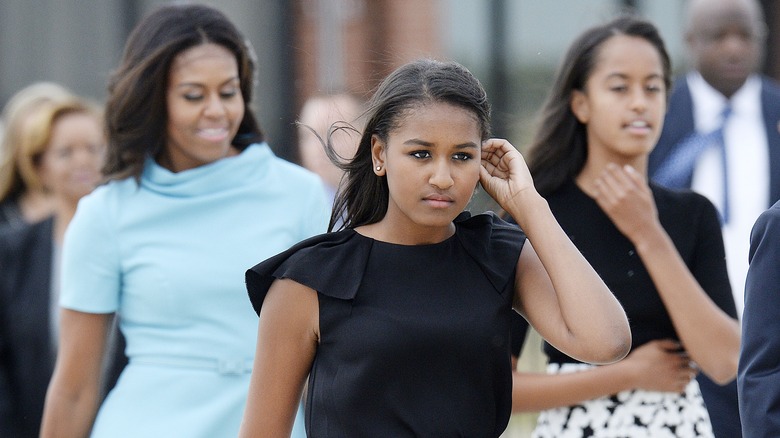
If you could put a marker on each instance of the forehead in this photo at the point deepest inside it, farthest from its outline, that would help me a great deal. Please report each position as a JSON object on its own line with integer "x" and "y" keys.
{"x": 76, "y": 125}
{"x": 719, "y": 15}
{"x": 624, "y": 54}
{"x": 429, "y": 119}
{"x": 207, "y": 57}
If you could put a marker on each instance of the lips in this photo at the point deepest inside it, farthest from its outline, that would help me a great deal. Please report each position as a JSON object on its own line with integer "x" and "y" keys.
{"x": 638, "y": 127}
{"x": 639, "y": 124}
{"x": 213, "y": 134}
{"x": 439, "y": 201}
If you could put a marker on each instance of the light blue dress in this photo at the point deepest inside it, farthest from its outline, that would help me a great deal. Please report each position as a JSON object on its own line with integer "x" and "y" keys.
{"x": 169, "y": 257}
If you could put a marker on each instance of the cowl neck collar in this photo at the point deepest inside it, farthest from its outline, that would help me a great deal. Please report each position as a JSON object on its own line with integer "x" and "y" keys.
{"x": 223, "y": 174}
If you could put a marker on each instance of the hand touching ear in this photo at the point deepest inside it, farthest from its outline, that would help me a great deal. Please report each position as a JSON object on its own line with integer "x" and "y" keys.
{"x": 504, "y": 173}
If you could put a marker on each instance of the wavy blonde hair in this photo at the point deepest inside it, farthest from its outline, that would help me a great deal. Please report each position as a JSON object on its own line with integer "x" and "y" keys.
{"x": 16, "y": 130}
{"x": 33, "y": 141}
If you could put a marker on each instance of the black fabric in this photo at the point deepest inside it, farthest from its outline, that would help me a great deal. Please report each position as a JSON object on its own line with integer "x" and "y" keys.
{"x": 691, "y": 222}
{"x": 518, "y": 330}
{"x": 26, "y": 354}
{"x": 414, "y": 340}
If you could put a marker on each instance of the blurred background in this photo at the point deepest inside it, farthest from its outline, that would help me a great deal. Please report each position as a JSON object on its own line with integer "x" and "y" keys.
{"x": 307, "y": 47}
{"x": 318, "y": 46}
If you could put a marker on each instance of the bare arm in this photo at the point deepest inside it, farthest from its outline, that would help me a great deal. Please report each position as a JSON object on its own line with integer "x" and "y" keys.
{"x": 655, "y": 366}
{"x": 556, "y": 288}
{"x": 709, "y": 335}
{"x": 73, "y": 395}
{"x": 287, "y": 340}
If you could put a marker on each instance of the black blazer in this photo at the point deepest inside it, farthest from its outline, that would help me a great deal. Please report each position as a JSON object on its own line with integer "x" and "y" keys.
{"x": 26, "y": 353}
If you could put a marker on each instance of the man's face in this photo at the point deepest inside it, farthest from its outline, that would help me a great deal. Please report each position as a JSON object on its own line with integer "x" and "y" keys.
{"x": 725, "y": 39}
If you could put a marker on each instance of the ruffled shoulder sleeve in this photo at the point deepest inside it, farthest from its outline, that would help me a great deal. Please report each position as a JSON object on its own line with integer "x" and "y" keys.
{"x": 494, "y": 244}
{"x": 332, "y": 264}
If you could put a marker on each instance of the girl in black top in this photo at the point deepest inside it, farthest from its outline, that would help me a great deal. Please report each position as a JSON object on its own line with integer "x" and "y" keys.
{"x": 401, "y": 319}
{"x": 659, "y": 251}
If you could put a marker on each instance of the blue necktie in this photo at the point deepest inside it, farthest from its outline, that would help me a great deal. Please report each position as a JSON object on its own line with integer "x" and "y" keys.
{"x": 678, "y": 168}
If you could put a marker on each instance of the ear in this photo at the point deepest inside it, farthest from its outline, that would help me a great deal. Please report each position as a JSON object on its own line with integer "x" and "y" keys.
{"x": 378, "y": 148}
{"x": 580, "y": 106}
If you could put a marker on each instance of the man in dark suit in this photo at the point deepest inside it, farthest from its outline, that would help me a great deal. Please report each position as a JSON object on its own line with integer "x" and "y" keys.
{"x": 723, "y": 102}
{"x": 759, "y": 361}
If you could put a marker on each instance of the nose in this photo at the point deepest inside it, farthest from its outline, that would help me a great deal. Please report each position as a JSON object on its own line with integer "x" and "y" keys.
{"x": 89, "y": 157}
{"x": 441, "y": 177}
{"x": 639, "y": 99}
{"x": 214, "y": 106}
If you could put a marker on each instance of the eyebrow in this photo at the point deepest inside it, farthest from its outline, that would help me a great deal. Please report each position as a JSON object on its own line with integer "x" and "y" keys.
{"x": 625, "y": 76}
{"x": 417, "y": 141}
{"x": 198, "y": 84}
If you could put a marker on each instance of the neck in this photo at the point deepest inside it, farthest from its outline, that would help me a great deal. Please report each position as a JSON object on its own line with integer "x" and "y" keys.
{"x": 594, "y": 169}
{"x": 35, "y": 206}
{"x": 63, "y": 213}
{"x": 386, "y": 231}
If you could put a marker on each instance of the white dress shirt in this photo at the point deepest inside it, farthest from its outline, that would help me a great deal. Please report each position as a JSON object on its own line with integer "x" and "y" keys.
{"x": 748, "y": 168}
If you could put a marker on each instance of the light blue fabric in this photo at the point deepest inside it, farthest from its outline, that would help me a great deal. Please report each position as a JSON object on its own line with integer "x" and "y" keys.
{"x": 170, "y": 257}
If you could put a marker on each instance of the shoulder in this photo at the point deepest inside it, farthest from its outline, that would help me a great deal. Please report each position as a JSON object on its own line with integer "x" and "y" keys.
{"x": 683, "y": 200}
{"x": 110, "y": 192}
{"x": 14, "y": 237}
{"x": 769, "y": 219}
{"x": 493, "y": 243}
{"x": 330, "y": 263}
{"x": 291, "y": 172}
{"x": 18, "y": 242}
{"x": 98, "y": 212}
{"x": 770, "y": 86}
{"x": 680, "y": 86}
{"x": 679, "y": 207}
{"x": 489, "y": 224}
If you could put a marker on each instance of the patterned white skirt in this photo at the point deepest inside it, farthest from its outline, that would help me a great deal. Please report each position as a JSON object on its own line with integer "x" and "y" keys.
{"x": 628, "y": 414}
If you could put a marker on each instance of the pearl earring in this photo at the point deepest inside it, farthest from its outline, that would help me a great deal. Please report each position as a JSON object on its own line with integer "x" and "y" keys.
{"x": 378, "y": 168}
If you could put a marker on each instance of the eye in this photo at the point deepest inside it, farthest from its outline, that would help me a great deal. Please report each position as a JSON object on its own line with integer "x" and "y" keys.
{"x": 94, "y": 149}
{"x": 420, "y": 154}
{"x": 619, "y": 88}
{"x": 462, "y": 156}
{"x": 64, "y": 153}
{"x": 192, "y": 97}
{"x": 227, "y": 94}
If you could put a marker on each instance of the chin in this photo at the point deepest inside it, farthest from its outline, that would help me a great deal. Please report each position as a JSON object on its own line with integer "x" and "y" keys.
{"x": 438, "y": 220}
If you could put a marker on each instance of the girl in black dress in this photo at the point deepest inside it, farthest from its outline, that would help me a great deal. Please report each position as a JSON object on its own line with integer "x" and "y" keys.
{"x": 659, "y": 251}
{"x": 400, "y": 320}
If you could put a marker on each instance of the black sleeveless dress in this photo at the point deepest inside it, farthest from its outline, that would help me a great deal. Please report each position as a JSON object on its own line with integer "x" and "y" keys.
{"x": 414, "y": 340}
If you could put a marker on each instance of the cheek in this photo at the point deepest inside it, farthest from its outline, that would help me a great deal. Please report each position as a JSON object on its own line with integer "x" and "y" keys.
{"x": 49, "y": 174}
{"x": 471, "y": 176}
{"x": 237, "y": 110}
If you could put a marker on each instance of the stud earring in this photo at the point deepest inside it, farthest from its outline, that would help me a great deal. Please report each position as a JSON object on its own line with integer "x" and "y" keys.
{"x": 378, "y": 168}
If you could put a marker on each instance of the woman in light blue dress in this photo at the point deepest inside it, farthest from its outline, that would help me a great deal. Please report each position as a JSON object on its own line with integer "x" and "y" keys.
{"x": 194, "y": 197}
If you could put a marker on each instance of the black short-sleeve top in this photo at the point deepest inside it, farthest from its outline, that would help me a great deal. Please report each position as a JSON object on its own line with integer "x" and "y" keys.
{"x": 693, "y": 225}
{"x": 414, "y": 340}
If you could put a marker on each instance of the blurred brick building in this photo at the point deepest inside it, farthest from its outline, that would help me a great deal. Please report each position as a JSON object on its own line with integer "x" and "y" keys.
{"x": 350, "y": 45}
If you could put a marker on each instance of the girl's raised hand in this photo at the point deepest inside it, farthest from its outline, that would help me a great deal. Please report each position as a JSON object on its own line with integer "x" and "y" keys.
{"x": 504, "y": 174}
{"x": 625, "y": 197}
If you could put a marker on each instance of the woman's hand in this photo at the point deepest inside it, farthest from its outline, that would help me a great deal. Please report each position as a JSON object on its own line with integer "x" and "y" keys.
{"x": 660, "y": 365}
{"x": 623, "y": 194}
{"x": 504, "y": 174}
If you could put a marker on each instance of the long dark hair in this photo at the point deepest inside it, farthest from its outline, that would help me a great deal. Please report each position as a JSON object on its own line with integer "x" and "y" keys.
{"x": 559, "y": 149}
{"x": 136, "y": 110}
{"x": 363, "y": 196}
